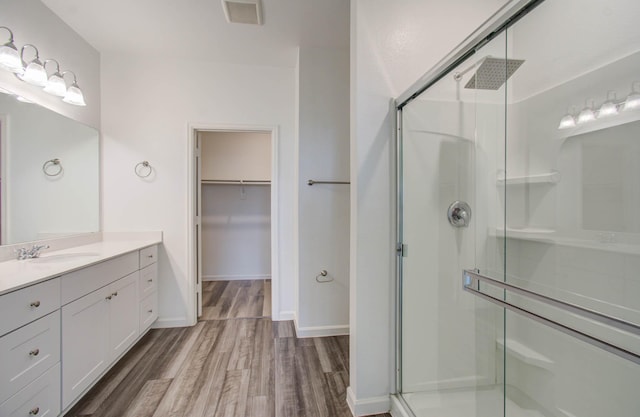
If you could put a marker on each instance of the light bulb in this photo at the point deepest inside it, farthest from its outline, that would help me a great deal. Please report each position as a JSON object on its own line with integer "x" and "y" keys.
{"x": 609, "y": 107}
{"x": 74, "y": 93}
{"x": 9, "y": 56}
{"x": 632, "y": 101}
{"x": 567, "y": 122}
{"x": 55, "y": 84}
{"x": 74, "y": 96}
{"x": 34, "y": 72}
{"x": 586, "y": 115}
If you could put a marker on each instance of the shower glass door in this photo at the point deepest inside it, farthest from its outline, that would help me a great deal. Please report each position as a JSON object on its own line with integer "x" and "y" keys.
{"x": 452, "y": 143}
{"x": 520, "y": 165}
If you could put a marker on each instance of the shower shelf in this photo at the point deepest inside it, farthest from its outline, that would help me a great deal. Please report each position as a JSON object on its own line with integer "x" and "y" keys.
{"x": 525, "y": 354}
{"x": 550, "y": 236}
{"x": 552, "y": 177}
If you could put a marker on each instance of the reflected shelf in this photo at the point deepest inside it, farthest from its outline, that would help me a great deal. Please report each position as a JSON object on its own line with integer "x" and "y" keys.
{"x": 552, "y": 177}
{"x": 550, "y": 236}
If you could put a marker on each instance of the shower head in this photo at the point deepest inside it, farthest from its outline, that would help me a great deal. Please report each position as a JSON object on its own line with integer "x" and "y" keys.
{"x": 491, "y": 73}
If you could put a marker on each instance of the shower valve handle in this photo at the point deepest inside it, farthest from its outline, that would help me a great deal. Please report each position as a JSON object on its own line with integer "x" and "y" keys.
{"x": 459, "y": 214}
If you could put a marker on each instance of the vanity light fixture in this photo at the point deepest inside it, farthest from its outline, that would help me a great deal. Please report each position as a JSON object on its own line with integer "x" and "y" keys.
{"x": 55, "y": 83}
{"x": 611, "y": 107}
{"x": 633, "y": 99}
{"x": 9, "y": 56}
{"x": 74, "y": 93}
{"x": 34, "y": 72}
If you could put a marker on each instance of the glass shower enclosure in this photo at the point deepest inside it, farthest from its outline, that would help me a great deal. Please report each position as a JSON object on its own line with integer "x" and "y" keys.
{"x": 519, "y": 220}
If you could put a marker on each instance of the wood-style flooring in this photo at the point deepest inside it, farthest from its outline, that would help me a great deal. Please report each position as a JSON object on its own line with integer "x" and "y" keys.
{"x": 236, "y": 299}
{"x": 226, "y": 366}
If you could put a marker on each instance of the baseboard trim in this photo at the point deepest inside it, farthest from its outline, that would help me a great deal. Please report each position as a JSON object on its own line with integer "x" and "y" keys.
{"x": 398, "y": 409}
{"x": 367, "y": 406}
{"x": 321, "y": 331}
{"x": 285, "y": 316}
{"x": 235, "y": 277}
{"x": 169, "y": 322}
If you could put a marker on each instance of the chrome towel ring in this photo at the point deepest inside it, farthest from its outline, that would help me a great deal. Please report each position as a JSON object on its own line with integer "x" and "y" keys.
{"x": 143, "y": 169}
{"x": 52, "y": 167}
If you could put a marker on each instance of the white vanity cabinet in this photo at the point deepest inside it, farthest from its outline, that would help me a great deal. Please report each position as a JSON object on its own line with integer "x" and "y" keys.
{"x": 99, "y": 327}
{"x": 148, "y": 287}
{"x": 61, "y": 334}
{"x": 30, "y": 350}
{"x": 96, "y": 330}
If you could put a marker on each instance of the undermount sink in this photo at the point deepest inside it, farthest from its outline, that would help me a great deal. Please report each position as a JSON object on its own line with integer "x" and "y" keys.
{"x": 63, "y": 257}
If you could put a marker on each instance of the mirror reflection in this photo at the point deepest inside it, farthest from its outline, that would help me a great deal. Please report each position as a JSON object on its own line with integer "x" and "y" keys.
{"x": 49, "y": 173}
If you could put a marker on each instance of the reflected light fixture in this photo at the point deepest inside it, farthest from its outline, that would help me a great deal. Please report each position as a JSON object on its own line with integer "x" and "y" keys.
{"x": 55, "y": 83}
{"x": 24, "y": 100}
{"x": 74, "y": 94}
{"x": 586, "y": 115}
{"x": 609, "y": 107}
{"x": 633, "y": 99}
{"x": 9, "y": 56}
{"x": 567, "y": 121}
{"x": 34, "y": 72}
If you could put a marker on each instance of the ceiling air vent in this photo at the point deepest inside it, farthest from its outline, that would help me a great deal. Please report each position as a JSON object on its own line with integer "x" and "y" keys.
{"x": 243, "y": 11}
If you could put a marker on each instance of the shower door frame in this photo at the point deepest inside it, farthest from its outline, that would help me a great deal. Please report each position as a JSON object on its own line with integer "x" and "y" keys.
{"x": 508, "y": 15}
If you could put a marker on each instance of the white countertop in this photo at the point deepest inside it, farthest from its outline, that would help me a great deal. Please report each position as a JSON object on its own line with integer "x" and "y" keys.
{"x": 16, "y": 274}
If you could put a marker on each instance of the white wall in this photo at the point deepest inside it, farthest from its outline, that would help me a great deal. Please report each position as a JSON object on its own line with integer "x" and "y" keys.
{"x": 236, "y": 232}
{"x": 236, "y": 155}
{"x": 392, "y": 44}
{"x": 32, "y": 22}
{"x": 323, "y": 222}
{"x": 162, "y": 98}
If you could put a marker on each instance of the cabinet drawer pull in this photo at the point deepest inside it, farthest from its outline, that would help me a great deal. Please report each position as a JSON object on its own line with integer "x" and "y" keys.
{"x": 34, "y": 411}
{"x": 115, "y": 294}
{"x": 149, "y": 280}
{"x": 149, "y": 311}
{"x": 35, "y": 304}
{"x": 149, "y": 256}
{"x": 34, "y": 352}
{"x": 108, "y": 297}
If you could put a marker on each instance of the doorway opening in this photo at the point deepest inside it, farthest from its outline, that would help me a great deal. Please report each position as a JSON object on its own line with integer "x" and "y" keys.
{"x": 234, "y": 206}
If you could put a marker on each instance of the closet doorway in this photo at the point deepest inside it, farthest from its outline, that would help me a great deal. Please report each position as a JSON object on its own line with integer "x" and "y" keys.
{"x": 234, "y": 224}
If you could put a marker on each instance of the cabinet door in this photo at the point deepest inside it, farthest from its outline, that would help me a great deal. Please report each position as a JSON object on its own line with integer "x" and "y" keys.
{"x": 123, "y": 315}
{"x": 85, "y": 343}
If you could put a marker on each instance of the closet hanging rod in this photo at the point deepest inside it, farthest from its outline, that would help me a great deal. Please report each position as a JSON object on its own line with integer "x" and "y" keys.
{"x": 237, "y": 182}
{"x": 311, "y": 182}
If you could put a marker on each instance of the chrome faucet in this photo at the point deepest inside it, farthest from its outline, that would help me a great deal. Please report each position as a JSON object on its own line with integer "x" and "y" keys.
{"x": 29, "y": 253}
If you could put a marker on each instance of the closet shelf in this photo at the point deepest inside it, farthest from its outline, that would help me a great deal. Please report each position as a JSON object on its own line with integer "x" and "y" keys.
{"x": 235, "y": 182}
{"x": 552, "y": 177}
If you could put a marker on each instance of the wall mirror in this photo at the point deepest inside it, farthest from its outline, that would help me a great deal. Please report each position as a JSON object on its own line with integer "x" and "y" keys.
{"x": 50, "y": 173}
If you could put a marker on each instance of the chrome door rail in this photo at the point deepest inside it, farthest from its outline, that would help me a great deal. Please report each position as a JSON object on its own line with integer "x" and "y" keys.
{"x": 470, "y": 278}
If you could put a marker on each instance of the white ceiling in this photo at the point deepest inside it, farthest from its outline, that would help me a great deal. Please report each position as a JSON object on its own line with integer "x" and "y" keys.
{"x": 197, "y": 29}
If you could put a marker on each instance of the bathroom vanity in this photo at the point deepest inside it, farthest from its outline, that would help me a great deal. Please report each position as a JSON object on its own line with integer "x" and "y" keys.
{"x": 68, "y": 316}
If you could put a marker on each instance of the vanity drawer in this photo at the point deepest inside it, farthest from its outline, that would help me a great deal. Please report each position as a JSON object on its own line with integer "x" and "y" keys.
{"x": 148, "y": 311}
{"x": 79, "y": 283}
{"x": 148, "y": 281}
{"x": 27, "y": 353}
{"x": 148, "y": 256}
{"x": 28, "y": 304}
{"x": 40, "y": 398}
